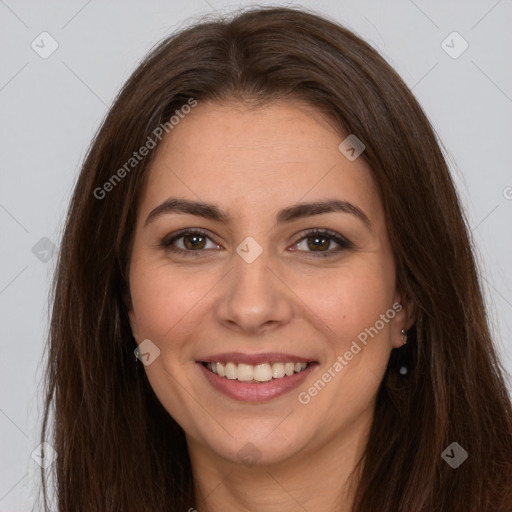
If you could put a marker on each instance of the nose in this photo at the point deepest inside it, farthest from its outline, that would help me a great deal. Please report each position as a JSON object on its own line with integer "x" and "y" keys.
{"x": 253, "y": 297}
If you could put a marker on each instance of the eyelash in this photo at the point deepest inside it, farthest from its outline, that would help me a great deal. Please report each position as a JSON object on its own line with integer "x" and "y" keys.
{"x": 343, "y": 243}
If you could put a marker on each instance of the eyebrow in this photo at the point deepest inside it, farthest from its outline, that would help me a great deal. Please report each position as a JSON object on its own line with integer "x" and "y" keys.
{"x": 289, "y": 214}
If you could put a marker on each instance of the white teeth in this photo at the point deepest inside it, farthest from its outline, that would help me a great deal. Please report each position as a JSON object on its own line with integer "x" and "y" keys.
{"x": 221, "y": 370}
{"x": 278, "y": 370}
{"x": 245, "y": 372}
{"x": 231, "y": 371}
{"x": 289, "y": 368}
{"x": 261, "y": 372}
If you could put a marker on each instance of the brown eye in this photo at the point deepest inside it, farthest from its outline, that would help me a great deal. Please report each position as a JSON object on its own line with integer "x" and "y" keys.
{"x": 189, "y": 243}
{"x": 194, "y": 241}
{"x": 322, "y": 243}
{"x": 319, "y": 242}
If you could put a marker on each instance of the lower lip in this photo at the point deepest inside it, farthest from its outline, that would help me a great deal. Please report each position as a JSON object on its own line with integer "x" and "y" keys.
{"x": 256, "y": 391}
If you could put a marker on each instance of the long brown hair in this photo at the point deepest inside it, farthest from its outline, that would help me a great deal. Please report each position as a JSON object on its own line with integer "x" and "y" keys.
{"x": 118, "y": 448}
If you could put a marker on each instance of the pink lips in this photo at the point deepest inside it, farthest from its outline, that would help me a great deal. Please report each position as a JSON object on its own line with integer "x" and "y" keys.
{"x": 256, "y": 391}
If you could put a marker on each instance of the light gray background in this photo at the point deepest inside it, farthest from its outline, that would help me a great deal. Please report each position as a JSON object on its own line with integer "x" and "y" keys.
{"x": 50, "y": 109}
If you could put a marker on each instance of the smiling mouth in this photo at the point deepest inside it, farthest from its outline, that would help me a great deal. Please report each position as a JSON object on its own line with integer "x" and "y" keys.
{"x": 258, "y": 373}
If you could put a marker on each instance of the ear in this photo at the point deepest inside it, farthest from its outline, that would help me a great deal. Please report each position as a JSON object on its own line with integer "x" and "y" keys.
{"x": 404, "y": 318}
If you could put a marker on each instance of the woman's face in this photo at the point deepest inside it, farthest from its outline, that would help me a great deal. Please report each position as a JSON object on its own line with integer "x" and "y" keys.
{"x": 254, "y": 288}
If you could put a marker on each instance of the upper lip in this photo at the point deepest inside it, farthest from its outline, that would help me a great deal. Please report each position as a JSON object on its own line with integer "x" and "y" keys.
{"x": 254, "y": 359}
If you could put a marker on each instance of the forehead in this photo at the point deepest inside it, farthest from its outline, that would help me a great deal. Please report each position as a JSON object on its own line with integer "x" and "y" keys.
{"x": 249, "y": 158}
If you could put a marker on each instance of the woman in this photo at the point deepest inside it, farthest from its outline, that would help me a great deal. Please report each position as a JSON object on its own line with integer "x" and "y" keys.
{"x": 266, "y": 296}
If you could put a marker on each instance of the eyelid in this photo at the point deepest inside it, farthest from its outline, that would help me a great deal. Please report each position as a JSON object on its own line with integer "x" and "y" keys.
{"x": 343, "y": 242}
{"x": 323, "y": 231}
{"x": 186, "y": 231}
{"x": 167, "y": 241}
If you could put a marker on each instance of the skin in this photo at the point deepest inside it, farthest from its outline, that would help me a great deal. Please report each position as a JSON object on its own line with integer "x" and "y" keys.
{"x": 252, "y": 162}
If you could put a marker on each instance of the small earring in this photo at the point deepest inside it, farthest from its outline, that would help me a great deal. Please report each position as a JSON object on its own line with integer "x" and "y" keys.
{"x": 403, "y": 369}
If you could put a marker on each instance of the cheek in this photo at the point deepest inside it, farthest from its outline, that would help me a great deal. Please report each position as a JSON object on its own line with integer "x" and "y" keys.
{"x": 353, "y": 300}
{"x": 360, "y": 344}
{"x": 159, "y": 299}
{"x": 167, "y": 308}
{"x": 154, "y": 305}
